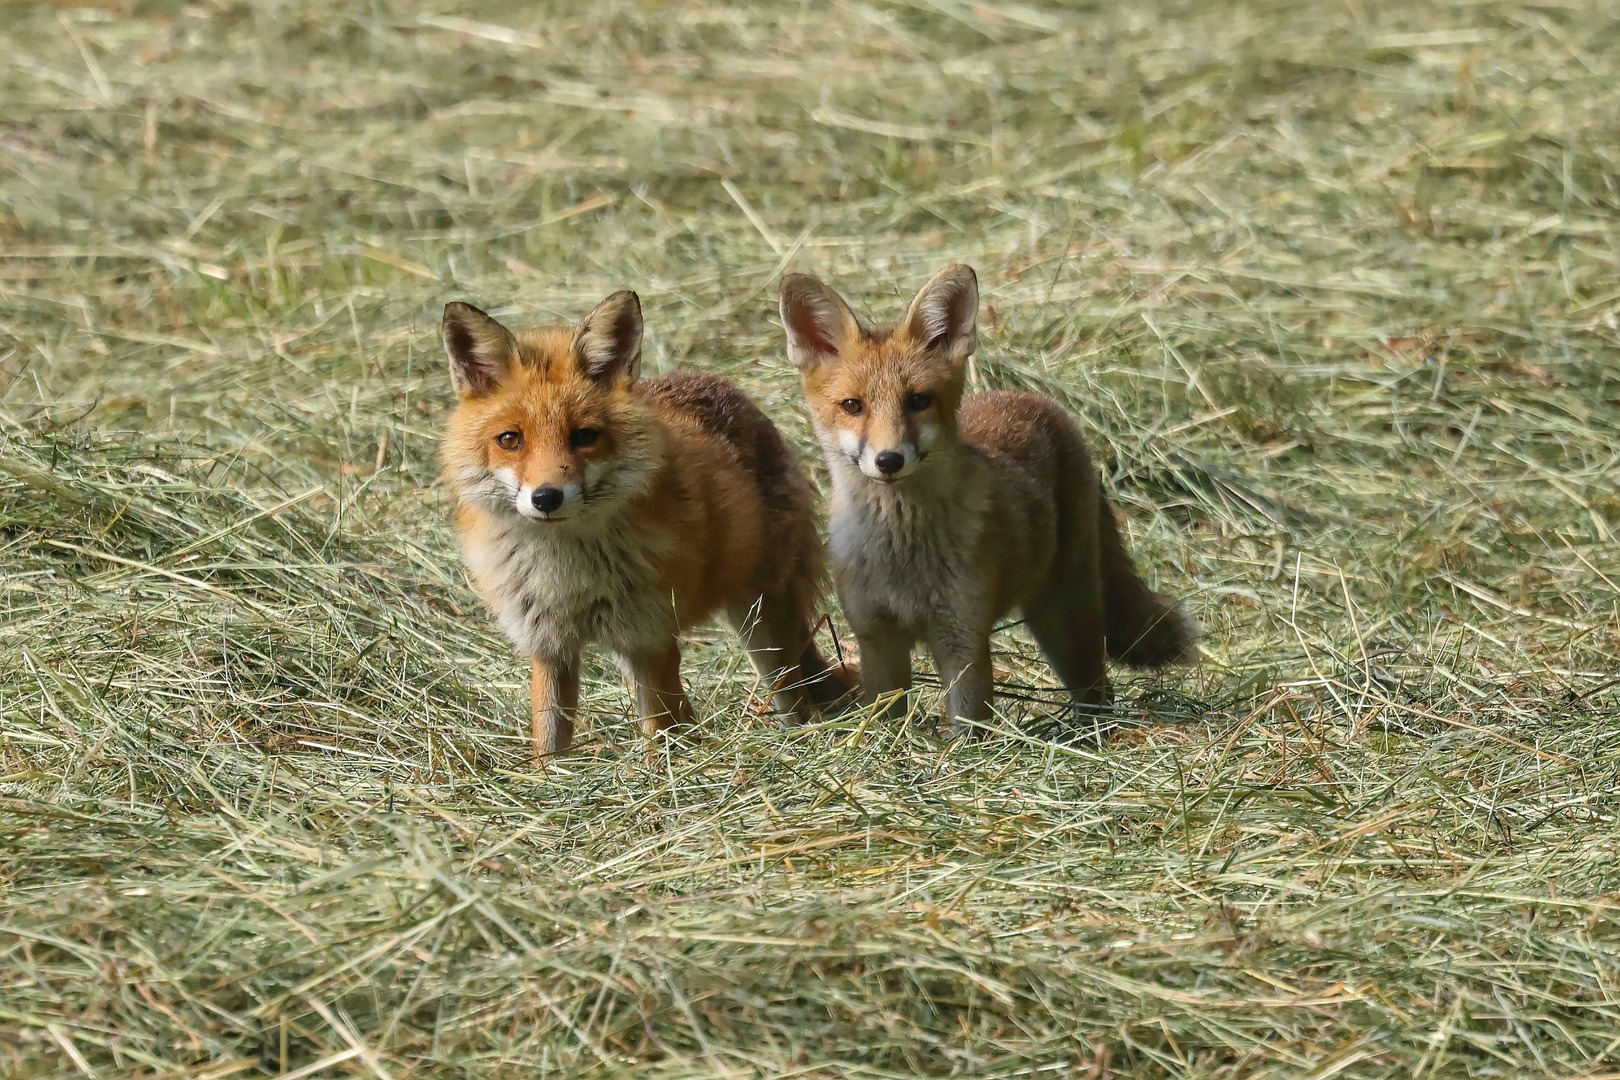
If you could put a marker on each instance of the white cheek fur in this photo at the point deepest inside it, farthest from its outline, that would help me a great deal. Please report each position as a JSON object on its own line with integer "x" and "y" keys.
{"x": 508, "y": 480}
{"x": 849, "y": 442}
{"x": 927, "y": 434}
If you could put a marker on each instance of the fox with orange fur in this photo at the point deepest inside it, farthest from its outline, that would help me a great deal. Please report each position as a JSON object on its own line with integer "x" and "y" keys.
{"x": 596, "y": 506}
{"x": 949, "y": 512}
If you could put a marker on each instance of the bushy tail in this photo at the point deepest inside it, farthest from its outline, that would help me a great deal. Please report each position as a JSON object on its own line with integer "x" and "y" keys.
{"x": 1140, "y": 627}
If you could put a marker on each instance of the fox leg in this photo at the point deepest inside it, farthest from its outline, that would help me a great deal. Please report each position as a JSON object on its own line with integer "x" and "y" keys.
{"x": 775, "y": 636}
{"x": 885, "y": 666}
{"x": 661, "y": 701}
{"x": 1069, "y": 631}
{"x": 969, "y": 680}
{"x": 832, "y": 688}
{"x": 553, "y": 700}
{"x": 1068, "y": 620}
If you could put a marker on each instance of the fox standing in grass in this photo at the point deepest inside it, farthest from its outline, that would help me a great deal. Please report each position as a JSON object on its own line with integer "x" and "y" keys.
{"x": 950, "y": 512}
{"x": 594, "y": 506}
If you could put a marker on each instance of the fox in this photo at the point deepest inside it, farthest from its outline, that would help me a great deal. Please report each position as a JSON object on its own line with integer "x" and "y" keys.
{"x": 950, "y": 511}
{"x": 595, "y": 506}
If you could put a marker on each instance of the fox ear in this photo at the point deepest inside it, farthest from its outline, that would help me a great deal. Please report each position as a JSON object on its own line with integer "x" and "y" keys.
{"x": 819, "y": 324}
{"x": 607, "y": 345}
{"x": 481, "y": 350}
{"x": 945, "y": 313}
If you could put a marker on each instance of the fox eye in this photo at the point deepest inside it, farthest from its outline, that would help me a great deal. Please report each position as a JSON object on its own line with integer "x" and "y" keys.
{"x": 919, "y": 402}
{"x": 852, "y": 405}
{"x": 582, "y": 437}
{"x": 509, "y": 440}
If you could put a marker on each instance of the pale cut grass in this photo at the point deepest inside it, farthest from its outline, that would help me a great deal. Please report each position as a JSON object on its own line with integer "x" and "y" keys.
{"x": 1330, "y": 286}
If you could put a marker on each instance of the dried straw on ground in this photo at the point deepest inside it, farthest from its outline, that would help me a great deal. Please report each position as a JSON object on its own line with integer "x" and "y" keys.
{"x": 1331, "y": 285}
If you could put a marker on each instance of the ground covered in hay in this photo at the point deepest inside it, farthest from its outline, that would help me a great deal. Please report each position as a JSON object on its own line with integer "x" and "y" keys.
{"x": 1332, "y": 286}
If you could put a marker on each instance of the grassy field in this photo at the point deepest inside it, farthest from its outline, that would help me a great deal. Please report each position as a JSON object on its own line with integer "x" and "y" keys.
{"x": 1332, "y": 286}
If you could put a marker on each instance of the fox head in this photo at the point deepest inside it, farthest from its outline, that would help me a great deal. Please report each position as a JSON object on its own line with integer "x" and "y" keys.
{"x": 548, "y": 427}
{"x": 883, "y": 400}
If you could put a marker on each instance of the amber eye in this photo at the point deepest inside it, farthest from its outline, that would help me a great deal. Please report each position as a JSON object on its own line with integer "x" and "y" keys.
{"x": 509, "y": 440}
{"x": 582, "y": 437}
{"x": 852, "y": 405}
{"x": 919, "y": 402}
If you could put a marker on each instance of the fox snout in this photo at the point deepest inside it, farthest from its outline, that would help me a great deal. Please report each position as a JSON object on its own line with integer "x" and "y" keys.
{"x": 887, "y": 456}
{"x": 884, "y": 460}
{"x": 538, "y": 493}
{"x": 889, "y": 462}
{"x": 550, "y": 501}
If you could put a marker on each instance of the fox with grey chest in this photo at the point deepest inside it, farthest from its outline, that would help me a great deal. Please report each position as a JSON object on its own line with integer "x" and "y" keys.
{"x": 951, "y": 510}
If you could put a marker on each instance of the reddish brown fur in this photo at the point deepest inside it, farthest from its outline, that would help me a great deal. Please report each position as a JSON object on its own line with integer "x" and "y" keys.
{"x": 996, "y": 507}
{"x": 687, "y": 503}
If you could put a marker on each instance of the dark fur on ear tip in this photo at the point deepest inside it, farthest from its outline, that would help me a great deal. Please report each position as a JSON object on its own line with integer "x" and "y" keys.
{"x": 607, "y": 344}
{"x": 945, "y": 313}
{"x": 481, "y": 350}
{"x": 817, "y": 321}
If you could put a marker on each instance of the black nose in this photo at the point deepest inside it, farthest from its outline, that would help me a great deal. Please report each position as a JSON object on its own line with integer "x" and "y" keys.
{"x": 888, "y": 462}
{"x": 547, "y": 499}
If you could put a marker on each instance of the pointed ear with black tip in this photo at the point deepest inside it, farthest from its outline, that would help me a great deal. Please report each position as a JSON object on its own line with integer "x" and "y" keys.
{"x": 819, "y": 324}
{"x": 482, "y": 352}
{"x": 607, "y": 345}
{"x": 945, "y": 314}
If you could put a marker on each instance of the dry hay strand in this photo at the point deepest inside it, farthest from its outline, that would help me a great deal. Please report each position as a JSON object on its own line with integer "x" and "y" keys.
{"x": 1331, "y": 289}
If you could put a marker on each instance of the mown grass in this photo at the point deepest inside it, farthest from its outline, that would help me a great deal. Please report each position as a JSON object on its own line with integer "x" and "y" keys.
{"x": 1332, "y": 287}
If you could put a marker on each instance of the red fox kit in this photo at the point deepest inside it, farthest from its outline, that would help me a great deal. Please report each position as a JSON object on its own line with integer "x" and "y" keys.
{"x": 949, "y": 512}
{"x": 594, "y": 506}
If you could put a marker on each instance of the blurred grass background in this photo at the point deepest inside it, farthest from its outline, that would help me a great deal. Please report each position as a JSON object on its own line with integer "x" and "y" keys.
{"x": 1332, "y": 287}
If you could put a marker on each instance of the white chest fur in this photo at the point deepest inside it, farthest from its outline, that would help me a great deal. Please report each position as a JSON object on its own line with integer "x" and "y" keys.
{"x": 554, "y": 588}
{"x": 904, "y": 556}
